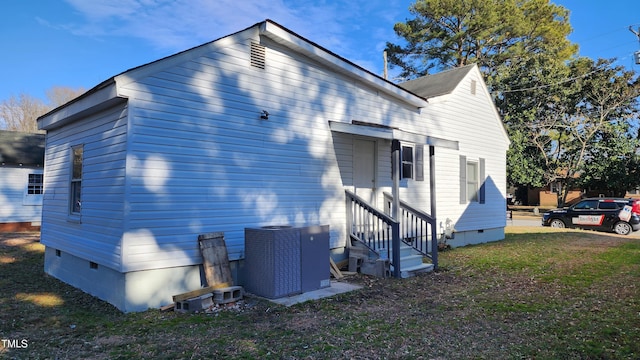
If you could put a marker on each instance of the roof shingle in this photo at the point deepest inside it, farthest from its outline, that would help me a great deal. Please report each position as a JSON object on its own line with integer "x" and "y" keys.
{"x": 17, "y": 148}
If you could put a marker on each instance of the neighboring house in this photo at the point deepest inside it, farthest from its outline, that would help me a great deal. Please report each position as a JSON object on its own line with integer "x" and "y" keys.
{"x": 549, "y": 196}
{"x": 21, "y": 176}
{"x": 258, "y": 128}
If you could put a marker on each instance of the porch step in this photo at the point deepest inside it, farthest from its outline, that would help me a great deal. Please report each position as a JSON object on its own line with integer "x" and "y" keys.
{"x": 406, "y": 272}
{"x": 411, "y": 262}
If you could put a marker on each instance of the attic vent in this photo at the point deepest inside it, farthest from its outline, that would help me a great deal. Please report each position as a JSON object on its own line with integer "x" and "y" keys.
{"x": 473, "y": 87}
{"x": 257, "y": 55}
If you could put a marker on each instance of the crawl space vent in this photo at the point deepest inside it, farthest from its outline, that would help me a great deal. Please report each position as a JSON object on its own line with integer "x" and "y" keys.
{"x": 257, "y": 55}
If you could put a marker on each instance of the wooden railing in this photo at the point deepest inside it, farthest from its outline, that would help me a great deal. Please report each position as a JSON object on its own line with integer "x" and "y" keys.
{"x": 417, "y": 229}
{"x": 375, "y": 229}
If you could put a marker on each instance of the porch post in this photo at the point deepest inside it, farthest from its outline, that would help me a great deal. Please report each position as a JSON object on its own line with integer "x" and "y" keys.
{"x": 395, "y": 176}
{"x": 432, "y": 192}
{"x": 395, "y": 192}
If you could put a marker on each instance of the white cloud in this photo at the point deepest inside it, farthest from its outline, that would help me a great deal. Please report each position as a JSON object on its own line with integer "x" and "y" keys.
{"x": 173, "y": 25}
{"x": 353, "y": 29}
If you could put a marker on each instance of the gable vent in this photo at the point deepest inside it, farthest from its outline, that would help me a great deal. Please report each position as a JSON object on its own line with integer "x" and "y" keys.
{"x": 257, "y": 55}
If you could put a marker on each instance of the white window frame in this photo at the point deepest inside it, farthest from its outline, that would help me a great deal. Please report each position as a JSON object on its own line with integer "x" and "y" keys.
{"x": 407, "y": 159}
{"x": 33, "y": 192}
{"x": 473, "y": 182}
{"x": 472, "y": 190}
{"x": 35, "y": 184}
{"x": 75, "y": 180}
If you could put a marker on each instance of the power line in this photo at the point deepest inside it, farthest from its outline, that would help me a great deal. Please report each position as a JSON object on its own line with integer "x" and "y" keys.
{"x": 554, "y": 84}
{"x": 537, "y": 87}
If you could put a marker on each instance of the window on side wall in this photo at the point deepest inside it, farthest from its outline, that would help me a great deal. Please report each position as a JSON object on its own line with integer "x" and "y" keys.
{"x": 472, "y": 189}
{"x": 75, "y": 200}
{"x": 34, "y": 189}
{"x": 35, "y": 184}
{"x": 472, "y": 181}
{"x": 407, "y": 162}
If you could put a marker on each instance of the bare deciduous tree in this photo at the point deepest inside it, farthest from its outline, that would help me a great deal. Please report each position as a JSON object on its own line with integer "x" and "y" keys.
{"x": 59, "y": 95}
{"x": 19, "y": 113}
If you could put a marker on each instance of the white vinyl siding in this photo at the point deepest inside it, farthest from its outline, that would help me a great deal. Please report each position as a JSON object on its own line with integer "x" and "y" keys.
{"x": 481, "y": 137}
{"x": 202, "y": 160}
{"x": 97, "y": 233}
{"x": 17, "y": 204}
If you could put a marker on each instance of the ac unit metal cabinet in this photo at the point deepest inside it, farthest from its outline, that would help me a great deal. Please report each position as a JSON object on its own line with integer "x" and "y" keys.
{"x": 282, "y": 261}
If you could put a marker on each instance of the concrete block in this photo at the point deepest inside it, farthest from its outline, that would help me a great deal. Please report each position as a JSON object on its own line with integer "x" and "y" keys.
{"x": 355, "y": 263}
{"x": 228, "y": 294}
{"x": 378, "y": 268}
{"x": 195, "y": 304}
{"x": 359, "y": 252}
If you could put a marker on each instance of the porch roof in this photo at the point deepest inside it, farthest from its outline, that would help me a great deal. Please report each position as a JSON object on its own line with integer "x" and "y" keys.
{"x": 390, "y": 133}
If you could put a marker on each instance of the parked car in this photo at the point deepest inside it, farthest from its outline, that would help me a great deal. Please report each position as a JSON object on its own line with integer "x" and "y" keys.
{"x": 604, "y": 214}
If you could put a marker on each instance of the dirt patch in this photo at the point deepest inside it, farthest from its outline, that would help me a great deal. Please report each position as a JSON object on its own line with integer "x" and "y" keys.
{"x": 18, "y": 239}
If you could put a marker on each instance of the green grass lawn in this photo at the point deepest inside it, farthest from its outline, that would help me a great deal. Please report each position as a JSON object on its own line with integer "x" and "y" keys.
{"x": 541, "y": 293}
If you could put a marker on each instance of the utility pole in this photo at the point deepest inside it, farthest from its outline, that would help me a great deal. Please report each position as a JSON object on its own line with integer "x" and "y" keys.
{"x": 637, "y": 53}
{"x": 384, "y": 57}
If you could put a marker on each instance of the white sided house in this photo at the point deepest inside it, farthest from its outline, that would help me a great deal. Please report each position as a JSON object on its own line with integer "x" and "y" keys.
{"x": 21, "y": 180}
{"x": 262, "y": 128}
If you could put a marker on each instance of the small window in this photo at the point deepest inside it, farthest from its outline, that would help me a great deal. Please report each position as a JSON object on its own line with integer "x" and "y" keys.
{"x": 33, "y": 190}
{"x": 75, "y": 201}
{"x": 472, "y": 181}
{"x": 35, "y": 184}
{"x": 407, "y": 162}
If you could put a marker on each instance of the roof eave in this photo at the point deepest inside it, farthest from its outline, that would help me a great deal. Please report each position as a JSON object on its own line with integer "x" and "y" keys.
{"x": 295, "y": 42}
{"x": 98, "y": 98}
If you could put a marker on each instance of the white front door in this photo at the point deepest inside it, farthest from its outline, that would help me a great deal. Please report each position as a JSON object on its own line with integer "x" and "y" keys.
{"x": 364, "y": 169}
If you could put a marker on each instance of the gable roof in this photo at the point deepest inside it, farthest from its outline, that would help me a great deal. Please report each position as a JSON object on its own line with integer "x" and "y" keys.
{"x": 438, "y": 84}
{"x": 107, "y": 92}
{"x": 24, "y": 149}
{"x": 446, "y": 82}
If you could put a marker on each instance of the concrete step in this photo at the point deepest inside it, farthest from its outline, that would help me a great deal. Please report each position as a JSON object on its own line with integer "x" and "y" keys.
{"x": 414, "y": 270}
{"x": 410, "y": 261}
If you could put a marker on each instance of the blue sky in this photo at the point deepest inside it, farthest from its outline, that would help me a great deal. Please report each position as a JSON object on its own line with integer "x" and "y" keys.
{"x": 80, "y": 43}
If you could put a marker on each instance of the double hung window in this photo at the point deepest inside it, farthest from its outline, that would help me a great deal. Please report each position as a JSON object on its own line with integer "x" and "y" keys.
{"x": 75, "y": 200}
{"x": 472, "y": 178}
